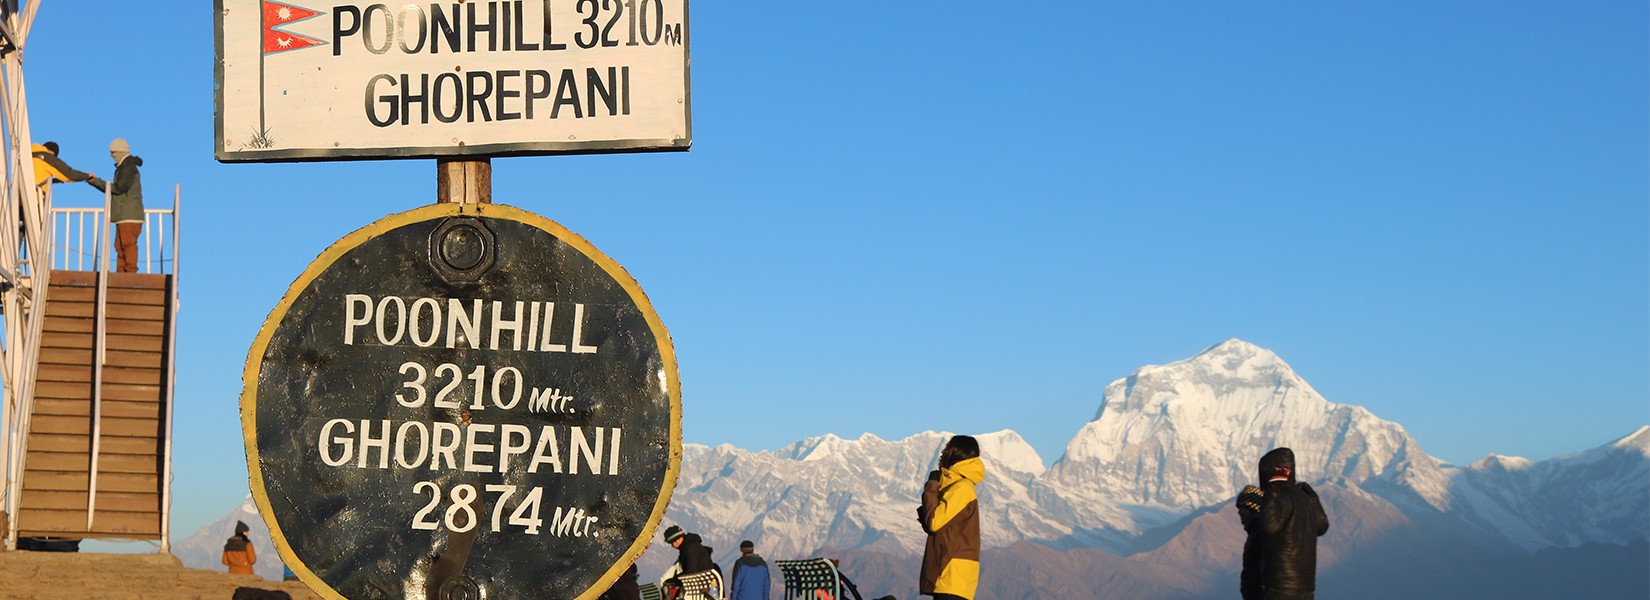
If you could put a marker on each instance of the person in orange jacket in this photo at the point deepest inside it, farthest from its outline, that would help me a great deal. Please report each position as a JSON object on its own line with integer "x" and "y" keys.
{"x": 237, "y": 552}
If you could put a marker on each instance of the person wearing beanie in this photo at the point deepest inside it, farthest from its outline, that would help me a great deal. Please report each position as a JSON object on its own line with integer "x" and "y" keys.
{"x": 750, "y": 580}
{"x": 950, "y": 515}
{"x": 1289, "y": 522}
{"x": 237, "y": 552}
{"x": 692, "y": 555}
{"x": 125, "y": 203}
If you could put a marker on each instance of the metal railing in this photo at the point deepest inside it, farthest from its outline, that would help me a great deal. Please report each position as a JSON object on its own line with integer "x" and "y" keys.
{"x": 78, "y": 237}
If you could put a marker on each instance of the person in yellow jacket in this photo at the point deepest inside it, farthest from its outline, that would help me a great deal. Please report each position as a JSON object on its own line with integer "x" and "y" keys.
{"x": 237, "y": 553}
{"x": 48, "y": 168}
{"x": 950, "y": 515}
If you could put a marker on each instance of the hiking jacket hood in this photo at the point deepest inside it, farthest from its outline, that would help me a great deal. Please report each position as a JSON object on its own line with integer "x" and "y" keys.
{"x": 1278, "y": 461}
{"x": 951, "y": 518}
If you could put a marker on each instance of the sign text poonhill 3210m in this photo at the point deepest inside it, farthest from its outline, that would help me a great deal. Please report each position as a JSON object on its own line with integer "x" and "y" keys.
{"x": 362, "y": 80}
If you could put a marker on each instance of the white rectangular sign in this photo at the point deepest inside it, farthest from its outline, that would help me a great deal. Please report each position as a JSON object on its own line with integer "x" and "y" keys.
{"x": 330, "y": 79}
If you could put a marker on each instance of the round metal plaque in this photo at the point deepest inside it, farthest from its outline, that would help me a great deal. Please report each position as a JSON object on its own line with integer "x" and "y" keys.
{"x": 462, "y": 402}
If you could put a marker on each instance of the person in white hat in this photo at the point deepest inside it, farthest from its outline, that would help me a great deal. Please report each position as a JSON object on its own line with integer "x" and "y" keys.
{"x": 125, "y": 203}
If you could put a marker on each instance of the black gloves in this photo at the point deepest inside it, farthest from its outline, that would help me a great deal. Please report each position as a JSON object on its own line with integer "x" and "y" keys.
{"x": 1308, "y": 489}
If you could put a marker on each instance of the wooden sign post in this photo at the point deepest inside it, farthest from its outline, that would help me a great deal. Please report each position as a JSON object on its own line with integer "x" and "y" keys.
{"x": 465, "y": 400}
{"x": 464, "y": 181}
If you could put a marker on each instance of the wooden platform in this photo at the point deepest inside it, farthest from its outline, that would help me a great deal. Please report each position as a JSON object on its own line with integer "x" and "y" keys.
{"x": 133, "y": 414}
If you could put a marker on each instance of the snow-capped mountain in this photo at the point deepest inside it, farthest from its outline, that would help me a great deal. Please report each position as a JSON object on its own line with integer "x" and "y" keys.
{"x": 1169, "y": 439}
{"x": 1594, "y": 496}
{"x": 1168, "y": 442}
{"x": 870, "y": 488}
{"x": 1169, "y": 446}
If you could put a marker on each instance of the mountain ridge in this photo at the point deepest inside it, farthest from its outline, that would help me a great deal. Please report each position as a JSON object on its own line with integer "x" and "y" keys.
{"x": 1153, "y": 475}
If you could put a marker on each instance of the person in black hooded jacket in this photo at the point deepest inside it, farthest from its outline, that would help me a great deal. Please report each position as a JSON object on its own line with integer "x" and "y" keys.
{"x": 1290, "y": 520}
{"x": 692, "y": 556}
{"x": 691, "y": 552}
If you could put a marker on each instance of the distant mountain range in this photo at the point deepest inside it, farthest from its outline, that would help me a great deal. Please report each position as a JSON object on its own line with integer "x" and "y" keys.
{"x": 1138, "y": 507}
{"x": 1141, "y": 499}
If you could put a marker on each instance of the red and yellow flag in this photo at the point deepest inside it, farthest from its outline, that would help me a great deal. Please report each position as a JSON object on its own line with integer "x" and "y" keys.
{"x": 278, "y": 15}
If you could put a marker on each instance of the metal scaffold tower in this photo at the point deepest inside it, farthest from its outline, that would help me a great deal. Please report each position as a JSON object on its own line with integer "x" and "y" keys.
{"x": 85, "y": 422}
{"x": 21, "y": 206}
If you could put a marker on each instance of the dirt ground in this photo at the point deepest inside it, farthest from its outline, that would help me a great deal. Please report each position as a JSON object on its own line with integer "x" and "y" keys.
{"x": 67, "y": 575}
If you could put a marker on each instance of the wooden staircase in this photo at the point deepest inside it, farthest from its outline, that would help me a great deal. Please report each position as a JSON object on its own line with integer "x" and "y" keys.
{"x": 132, "y": 417}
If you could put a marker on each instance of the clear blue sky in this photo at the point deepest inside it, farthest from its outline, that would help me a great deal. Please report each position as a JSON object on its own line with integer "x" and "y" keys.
{"x": 969, "y": 217}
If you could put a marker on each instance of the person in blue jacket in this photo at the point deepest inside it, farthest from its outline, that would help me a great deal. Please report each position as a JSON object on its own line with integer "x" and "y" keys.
{"x": 750, "y": 575}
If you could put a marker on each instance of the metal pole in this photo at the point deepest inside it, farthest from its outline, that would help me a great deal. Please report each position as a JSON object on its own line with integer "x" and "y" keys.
{"x": 14, "y": 311}
{"x": 23, "y": 325}
{"x": 171, "y": 379}
{"x": 149, "y": 243}
{"x": 98, "y": 348}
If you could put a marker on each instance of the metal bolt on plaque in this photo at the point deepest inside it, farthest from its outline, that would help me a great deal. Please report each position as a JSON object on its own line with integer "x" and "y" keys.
{"x": 462, "y": 402}
{"x": 461, "y": 249}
